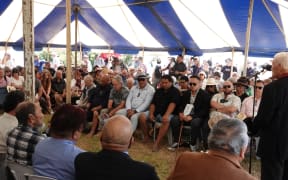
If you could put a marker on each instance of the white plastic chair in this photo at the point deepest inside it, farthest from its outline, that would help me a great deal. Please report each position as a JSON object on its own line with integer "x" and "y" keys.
{"x": 156, "y": 126}
{"x": 18, "y": 170}
{"x": 37, "y": 177}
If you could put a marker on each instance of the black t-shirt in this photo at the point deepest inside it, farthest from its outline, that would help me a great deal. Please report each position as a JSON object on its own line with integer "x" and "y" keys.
{"x": 58, "y": 86}
{"x": 162, "y": 98}
{"x": 180, "y": 67}
{"x": 226, "y": 70}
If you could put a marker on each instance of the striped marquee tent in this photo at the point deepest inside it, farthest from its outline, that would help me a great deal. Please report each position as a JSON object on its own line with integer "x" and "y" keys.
{"x": 129, "y": 26}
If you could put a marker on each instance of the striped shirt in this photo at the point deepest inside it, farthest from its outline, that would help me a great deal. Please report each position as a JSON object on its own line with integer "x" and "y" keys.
{"x": 21, "y": 142}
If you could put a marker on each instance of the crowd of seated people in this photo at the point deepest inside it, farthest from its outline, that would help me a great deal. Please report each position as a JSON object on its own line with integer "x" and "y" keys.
{"x": 192, "y": 98}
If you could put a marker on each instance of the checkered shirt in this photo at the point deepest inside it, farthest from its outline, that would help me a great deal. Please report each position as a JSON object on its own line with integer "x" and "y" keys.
{"x": 21, "y": 142}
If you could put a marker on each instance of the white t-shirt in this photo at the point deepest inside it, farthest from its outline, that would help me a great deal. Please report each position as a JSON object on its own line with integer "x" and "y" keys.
{"x": 7, "y": 123}
{"x": 17, "y": 82}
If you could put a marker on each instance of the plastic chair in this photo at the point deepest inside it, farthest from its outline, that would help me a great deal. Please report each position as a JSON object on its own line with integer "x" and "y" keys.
{"x": 37, "y": 177}
{"x": 156, "y": 126}
{"x": 18, "y": 170}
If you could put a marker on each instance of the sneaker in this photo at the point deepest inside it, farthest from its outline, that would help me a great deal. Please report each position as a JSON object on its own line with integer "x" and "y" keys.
{"x": 192, "y": 148}
{"x": 173, "y": 147}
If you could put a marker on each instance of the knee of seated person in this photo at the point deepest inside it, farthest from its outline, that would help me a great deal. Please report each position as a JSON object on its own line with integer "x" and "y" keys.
{"x": 196, "y": 122}
{"x": 95, "y": 113}
{"x": 142, "y": 117}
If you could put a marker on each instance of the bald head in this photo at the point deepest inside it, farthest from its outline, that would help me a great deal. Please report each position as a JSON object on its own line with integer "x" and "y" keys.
{"x": 105, "y": 79}
{"x": 117, "y": 133}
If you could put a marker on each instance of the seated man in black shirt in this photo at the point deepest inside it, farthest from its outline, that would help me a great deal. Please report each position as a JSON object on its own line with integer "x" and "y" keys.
{"x": 58, "y": 89}
{"x": 162, "y": 108}
{"x": 97, "y": 100}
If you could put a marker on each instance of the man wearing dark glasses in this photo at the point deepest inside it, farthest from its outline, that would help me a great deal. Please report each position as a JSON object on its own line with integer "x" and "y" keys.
{"x": 138, "y": 100}
{"x": 196, "y": 116}
{"x": 224, "y": 105}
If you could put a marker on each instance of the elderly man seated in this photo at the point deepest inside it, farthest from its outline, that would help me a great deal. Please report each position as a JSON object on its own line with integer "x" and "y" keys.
{"x": 138, "y": 100}
{"x": 227, "y": 143}
{"x": 225, "y": 104}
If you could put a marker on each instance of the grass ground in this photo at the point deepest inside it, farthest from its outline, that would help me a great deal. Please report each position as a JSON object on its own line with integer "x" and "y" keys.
{"x": 163, "y": 161}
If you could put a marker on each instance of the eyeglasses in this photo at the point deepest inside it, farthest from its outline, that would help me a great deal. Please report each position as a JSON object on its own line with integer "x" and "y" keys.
{"x": 141, "y": 79}
{"x": 228, "y": 86}
{"x": 210, "y": 86}
{"x": 258, "y": 87}
{"x": 193, "y": 84}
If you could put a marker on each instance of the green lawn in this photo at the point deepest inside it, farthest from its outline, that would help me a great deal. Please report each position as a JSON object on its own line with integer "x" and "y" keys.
{"x": 163, "y": 160}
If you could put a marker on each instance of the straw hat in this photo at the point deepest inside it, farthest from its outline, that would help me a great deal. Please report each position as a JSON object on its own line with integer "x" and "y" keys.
{"x": 211, "y": 82}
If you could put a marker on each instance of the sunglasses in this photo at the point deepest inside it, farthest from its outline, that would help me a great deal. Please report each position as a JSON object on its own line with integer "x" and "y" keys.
{"x": 228, "y": 86}
{"x": 141, "y": 79}
{"x": 258, "y": 87}
{"x": 210, "y": 86}
{"x": 193, "y": 84}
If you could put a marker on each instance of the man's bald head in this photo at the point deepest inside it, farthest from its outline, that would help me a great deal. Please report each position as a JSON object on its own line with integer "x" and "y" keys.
{"x": 117, "y": 133}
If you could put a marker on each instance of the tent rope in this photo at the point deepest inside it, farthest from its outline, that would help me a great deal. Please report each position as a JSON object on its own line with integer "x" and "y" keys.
{"x": 134, "y": 32}
{"x": 274, "y": 19}
{"x": 205, "y": 24}
{"x": 13, "y": 29}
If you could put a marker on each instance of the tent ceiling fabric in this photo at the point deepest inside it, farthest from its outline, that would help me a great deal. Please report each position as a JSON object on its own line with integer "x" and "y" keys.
{"x": 129, "y": 26}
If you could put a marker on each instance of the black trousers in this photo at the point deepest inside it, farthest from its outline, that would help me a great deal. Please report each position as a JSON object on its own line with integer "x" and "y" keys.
{"x": 272, "y": 169}
{"x": 195, "y": 126}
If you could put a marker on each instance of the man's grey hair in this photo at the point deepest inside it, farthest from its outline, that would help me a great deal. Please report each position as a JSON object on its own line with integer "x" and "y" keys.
{"x": 282, "y": 59}
{"x": 229, "y": 135}
{"x": 118, "y": 79}
{"x": 88, "y": 78}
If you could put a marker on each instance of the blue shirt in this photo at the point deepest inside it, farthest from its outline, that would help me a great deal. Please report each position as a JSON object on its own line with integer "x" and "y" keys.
{"x": 55, "y": 158}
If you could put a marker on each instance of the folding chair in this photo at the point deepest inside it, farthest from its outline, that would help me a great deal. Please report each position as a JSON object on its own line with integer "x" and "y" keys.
{"x": 19, "y": 170}
{"x": 36, "y": 177}
{"x": 183, "y": 127}
{"x": 187, "y": 128}
{"x": 156, "y": 126}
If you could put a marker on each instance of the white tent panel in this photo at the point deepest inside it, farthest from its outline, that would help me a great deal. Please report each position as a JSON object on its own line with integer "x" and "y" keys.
{"x": 199, "y": 12}
{"x": 85, "y": 35}
{"x": 119, "y": 16}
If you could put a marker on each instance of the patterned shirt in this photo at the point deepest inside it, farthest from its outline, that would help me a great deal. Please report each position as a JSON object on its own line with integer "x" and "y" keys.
{"x": 230, "y": 100}
{"x": 21, "y": 142}
{"x": 118, "y": 96}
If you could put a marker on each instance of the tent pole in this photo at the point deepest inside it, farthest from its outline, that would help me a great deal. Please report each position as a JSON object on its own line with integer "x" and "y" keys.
{"x": 48, "y": 53}
{"x": 76, "y": 9}
{"x": 231, "y": 70}
{"x": 28, "y": 47}
{"x": 68, "y": 51}
{"x": 248, "y": 31}
{"x": 183, "y": 52}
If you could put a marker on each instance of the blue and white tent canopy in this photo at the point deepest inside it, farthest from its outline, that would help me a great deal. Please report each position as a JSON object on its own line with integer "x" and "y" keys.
{"x": 129, "y": 26}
